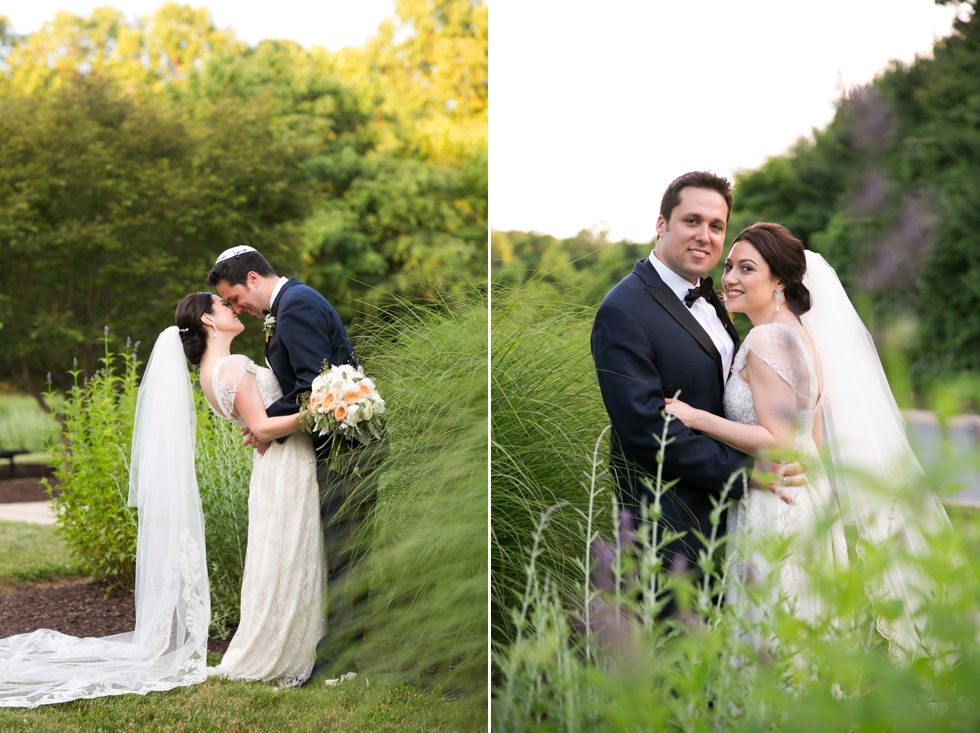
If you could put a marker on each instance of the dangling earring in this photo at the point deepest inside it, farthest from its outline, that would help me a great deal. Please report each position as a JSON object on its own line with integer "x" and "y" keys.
{"x": 777, "y": 294}
{"x": 214, "y": 326}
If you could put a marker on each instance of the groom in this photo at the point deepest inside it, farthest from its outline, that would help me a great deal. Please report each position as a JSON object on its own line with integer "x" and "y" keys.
{"x": 303, "y": 330}
{"x": 662, "y": 330}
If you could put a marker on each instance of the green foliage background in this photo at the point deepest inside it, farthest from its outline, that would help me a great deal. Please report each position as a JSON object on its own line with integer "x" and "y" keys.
{"x": 132, "y": 152}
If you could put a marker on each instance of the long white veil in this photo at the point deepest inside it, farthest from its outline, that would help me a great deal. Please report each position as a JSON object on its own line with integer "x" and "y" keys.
{"x": 168, "y": 647}
{"x": 873, "y": 462}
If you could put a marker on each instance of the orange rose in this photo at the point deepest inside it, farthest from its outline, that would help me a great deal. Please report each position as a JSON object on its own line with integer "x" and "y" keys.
{"x": 340, "y": 413}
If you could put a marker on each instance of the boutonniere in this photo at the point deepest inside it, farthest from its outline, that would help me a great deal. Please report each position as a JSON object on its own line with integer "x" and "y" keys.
{"x": 269, "y": 326}
{"x": 721, "y": 297}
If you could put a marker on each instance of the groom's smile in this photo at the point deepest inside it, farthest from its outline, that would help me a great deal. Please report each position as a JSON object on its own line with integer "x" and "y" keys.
{"x": 690, "y": 243}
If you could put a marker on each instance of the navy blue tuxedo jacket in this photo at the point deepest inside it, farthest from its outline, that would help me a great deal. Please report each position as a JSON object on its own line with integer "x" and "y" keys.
{"x": 647, "y": 345}
{"x": 308, "y": 332}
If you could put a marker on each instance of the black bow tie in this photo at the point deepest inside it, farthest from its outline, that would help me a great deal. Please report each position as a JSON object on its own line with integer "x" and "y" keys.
{"x": 701, "y": 291}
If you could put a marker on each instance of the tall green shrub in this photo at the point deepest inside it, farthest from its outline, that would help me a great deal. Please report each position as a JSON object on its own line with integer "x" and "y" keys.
{"x": 90, "y": 454}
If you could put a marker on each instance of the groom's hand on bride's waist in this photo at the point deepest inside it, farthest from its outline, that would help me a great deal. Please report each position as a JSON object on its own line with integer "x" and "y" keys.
{"x": 778, "y": 478}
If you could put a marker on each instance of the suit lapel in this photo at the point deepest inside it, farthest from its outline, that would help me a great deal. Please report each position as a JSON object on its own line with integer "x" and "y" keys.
{"x": 273, "y": 311}
{"x": 680, "y": 312}
{"x": 285, "y": 286}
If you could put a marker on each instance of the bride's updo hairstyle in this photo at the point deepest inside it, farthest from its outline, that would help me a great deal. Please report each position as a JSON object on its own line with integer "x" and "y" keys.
{"x": 785, "y": 256}
{"x": 193, "y": 332}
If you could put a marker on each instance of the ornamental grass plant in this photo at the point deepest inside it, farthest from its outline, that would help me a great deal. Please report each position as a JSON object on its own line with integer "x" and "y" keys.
{"x": 546, "y": 413}
{"x": 428, "y": 561}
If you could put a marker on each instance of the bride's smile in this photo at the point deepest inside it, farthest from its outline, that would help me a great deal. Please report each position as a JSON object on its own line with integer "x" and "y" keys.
{"x": 748, "y": 283}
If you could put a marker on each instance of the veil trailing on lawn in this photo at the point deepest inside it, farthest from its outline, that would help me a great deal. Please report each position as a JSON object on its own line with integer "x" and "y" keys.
{"x": 876, "y": 471}
{"x": 168, "y": 647}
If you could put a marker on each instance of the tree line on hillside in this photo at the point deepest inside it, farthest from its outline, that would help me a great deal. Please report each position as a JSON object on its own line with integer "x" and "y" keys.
{"x": 131, "y": 153}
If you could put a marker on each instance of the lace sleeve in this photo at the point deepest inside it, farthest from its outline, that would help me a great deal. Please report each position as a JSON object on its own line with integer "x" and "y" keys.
{"x": 228, "y": 374}
{"x": 780, "y": 348}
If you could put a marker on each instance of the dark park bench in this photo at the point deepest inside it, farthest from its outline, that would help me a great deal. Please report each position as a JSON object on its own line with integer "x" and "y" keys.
{"x": 9, "y": 455}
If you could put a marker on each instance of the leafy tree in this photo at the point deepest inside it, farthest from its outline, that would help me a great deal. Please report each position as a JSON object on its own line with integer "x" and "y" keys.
{"x": 383, "y": 221}
{"x": 429, "y": 66}
{"x": 132, "y": 152}
{"x": 111, "y": 210}
{"x": 146, "y": 55}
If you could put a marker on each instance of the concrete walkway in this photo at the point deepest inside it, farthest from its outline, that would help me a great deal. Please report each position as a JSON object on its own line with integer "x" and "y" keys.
{"x": 36, "y": 512}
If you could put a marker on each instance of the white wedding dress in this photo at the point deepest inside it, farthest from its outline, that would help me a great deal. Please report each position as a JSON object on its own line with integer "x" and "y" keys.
{"x": 761, "y": 516}
{"x": 875, "y": 472}
{"x": 282, "y": 613}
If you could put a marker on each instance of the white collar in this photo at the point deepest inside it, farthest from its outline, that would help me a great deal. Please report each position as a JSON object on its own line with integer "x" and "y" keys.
{"x": 671, "y": 279}
{"x": 275, "y": 291}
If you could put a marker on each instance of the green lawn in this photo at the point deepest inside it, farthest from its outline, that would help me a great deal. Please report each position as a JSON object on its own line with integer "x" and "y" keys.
{"x": 239, "y": 706}
{"x": 31, "y": 553}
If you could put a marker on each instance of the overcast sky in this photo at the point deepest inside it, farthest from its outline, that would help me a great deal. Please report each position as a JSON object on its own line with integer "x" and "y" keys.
{"x": 596, "y": 107}
{"x": 330, "y": 23}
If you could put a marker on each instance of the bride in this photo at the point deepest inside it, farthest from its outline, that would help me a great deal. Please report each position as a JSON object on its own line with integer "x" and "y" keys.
{"x": 282, "y": 589}
{"x": 281, "y": 618}
{"x": 801, "y": 370}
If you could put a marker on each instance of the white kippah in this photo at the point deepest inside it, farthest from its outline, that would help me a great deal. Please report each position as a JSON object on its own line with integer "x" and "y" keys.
{"x": 234, "y": 252}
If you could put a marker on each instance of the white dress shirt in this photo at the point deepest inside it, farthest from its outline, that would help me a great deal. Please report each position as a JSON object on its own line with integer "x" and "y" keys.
{"x": 275, "y": 290}
{"x": 703, "y": 312}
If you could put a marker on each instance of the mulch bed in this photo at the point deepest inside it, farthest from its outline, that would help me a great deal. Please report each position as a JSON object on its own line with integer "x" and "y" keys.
{"x": 79, "y": 608}
{"x": 27, "y": 485}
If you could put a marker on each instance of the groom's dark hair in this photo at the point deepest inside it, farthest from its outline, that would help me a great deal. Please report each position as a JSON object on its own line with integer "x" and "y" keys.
{"x": 235, "y": 269}
{"x": 695, "y": 179}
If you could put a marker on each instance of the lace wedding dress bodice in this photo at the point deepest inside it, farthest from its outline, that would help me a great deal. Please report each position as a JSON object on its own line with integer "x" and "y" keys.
{"x": 780, "y": 348}
{"x": 761, "y": 517}
{"x": 282, "y": 616}
{"x": 226, "y": 377}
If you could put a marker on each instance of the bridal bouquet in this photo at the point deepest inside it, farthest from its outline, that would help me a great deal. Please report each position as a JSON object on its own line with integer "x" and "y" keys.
{"x": 343, "y": 403}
